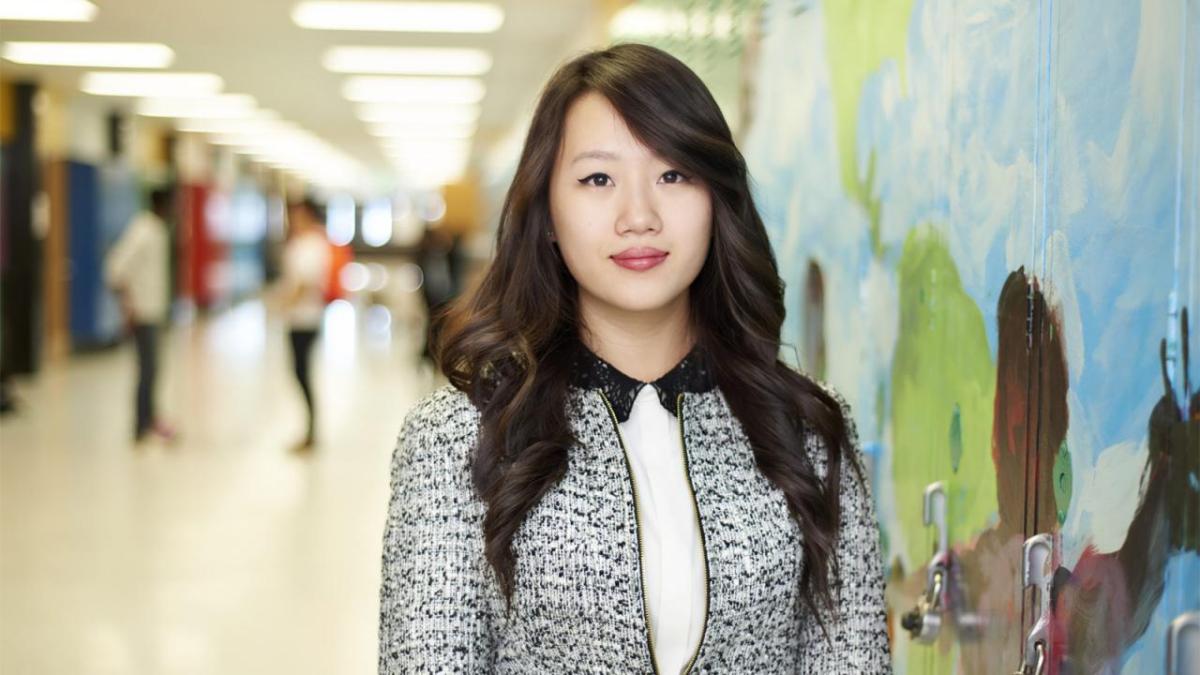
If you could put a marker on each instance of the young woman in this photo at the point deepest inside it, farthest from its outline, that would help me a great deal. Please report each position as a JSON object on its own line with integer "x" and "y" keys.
{"x": 622, "y": 476}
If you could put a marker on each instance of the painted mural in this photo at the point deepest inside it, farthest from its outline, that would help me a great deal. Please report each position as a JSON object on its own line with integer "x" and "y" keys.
{"x": 986, "y": 213}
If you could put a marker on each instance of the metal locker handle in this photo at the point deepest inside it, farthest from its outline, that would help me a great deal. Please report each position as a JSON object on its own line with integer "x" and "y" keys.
{"x": 924, "y": 622}
{"x": 934, "y": 514}
{"x": 1183, "y": 622}
{"x": 1037, "y": 555}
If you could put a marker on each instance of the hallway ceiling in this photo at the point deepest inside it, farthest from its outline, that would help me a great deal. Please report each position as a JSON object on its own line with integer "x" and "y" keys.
{"x": 258, "y": 50}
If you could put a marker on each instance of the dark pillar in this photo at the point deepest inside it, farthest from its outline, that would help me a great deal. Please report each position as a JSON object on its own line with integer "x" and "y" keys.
{"x": 20, "y": 248}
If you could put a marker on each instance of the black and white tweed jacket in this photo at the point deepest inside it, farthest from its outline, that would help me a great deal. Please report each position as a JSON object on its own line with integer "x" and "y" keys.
{"x": 578, "y": 605}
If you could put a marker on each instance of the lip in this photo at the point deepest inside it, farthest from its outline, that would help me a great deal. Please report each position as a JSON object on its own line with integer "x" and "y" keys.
{"x": 640, "y": 258}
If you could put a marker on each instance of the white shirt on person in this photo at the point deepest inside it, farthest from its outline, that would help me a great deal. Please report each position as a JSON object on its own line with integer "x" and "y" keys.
{"x": 672, "y": 548}
{"x": 672, "y": 552}
{"x": 139, "y": 262}
{"x": 305, "y": 275}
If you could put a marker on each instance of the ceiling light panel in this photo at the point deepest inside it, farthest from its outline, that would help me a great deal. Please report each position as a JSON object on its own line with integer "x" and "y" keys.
{"x": 221, "y": 106}
{"x": 47, "y": 10}
{"x": 90, "y": 54}
{"x": 444, "y": 90}
{"x": 402, "y": 131}
{"x": 258, "y": 119}
{"x": 151, "y": 84}
{"x": 407, "y": 61}
{"x": 410, "y": 17}
{"x": 429, "y": 151}
{"x": 384, "y": 113}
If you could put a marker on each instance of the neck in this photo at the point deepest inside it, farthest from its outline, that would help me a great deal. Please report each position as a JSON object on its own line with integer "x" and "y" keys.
{"x": 644, "y": 345}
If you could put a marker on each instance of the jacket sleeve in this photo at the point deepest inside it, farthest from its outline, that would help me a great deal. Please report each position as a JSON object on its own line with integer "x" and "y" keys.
{"x": 858, "y": 642}
{"x": 434, "y": 614}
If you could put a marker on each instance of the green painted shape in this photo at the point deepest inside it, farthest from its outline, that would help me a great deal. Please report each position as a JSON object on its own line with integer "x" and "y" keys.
{"x": 942, "y": 363}
{"x": 860, "y": 35}
{"x": 942, "y": 369}
{"x": 1062, "y": 481}
{"x": 956, "y": 442}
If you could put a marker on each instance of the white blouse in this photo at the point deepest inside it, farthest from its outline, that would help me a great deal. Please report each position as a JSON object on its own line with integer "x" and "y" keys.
{"x": 672, "y": 550}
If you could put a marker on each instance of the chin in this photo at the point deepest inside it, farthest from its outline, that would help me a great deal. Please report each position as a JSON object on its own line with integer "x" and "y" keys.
{"x": 643, "y": 302}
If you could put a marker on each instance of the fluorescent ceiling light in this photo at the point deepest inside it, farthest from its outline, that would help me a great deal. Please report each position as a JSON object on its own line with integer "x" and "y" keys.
{"x": 415, "y": 161}
{"x": 222, "y": 106}
{"x": 372, "y": 89}
{"x": 422, "y": 131}
{"x": 90, "y": 54}
{"x": 383, "y": 113}
{"x": 413, "y": 166}
{"x": 432, "y": 146}
{"x": 410, "y": 17}
{"x": 407, "y": 60}
{"x": 151, "y": 84}
{"x": 430, "y": 159}
{"x": 256, "y": 135}
{"x": 258, "y": 120}
{"x": 647, "y": 22}
{"x": 292, "y": 146}
{"x": 47, "y": 10}
{"x": 416, "y": 165}
{"x": 278, "y": 143}
{"x": 242, "y": 142}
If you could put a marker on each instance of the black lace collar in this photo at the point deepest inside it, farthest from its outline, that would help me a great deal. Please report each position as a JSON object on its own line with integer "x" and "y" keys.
{"x": 589, "y": 371}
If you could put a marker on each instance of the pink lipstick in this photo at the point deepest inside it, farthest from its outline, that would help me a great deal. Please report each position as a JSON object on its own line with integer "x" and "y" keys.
{"x": 640, "y": 258}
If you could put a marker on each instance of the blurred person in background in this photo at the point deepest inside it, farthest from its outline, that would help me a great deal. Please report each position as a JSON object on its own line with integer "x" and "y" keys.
{"x": 434, "y": 256}
{"x": 8, "y": 400}
{"x": 136, "y": 268}
{"x": 305, "y": 271}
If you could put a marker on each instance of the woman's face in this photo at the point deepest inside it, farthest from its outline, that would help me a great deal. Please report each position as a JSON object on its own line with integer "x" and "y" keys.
{"x": 633, "y": 230}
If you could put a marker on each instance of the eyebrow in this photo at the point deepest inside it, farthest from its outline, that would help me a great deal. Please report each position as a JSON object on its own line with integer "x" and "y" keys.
{"x": 595, "y": 154}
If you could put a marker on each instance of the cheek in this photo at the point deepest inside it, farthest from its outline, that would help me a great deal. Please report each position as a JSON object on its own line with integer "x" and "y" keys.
{"x": 693, "y": 220}
{"x": 580, "y": 226}
{"x": 579, "y": 240}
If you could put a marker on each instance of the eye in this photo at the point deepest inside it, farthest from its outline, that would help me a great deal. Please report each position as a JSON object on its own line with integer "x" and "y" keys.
{"x": 674, "y": 176}
{"x": 597, "y": 180}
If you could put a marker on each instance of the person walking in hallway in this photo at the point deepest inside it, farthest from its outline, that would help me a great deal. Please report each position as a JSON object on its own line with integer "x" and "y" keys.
{"x": 305, "y": 272}
{"x": 136, "y": 268}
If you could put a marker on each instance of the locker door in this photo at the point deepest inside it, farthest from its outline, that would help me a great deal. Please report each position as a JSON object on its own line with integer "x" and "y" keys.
{"x": 976, "y": 439}
{"x": 85, "y": 251}
{"x": 1113, "y": 452}
{"x": 1183, "y": 607}
{"x": 1046, "y": 436}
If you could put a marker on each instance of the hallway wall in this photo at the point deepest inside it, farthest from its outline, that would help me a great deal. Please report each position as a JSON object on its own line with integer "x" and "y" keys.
{"x": 986, "y": 216}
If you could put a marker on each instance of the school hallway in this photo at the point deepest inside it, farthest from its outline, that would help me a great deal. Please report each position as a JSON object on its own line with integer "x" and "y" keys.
{"x": 227, "y": 551}
{"x": 983, "y": 223}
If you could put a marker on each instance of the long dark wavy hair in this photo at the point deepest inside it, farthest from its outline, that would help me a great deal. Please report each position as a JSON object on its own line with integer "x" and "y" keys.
{"x": 509, "y": 343}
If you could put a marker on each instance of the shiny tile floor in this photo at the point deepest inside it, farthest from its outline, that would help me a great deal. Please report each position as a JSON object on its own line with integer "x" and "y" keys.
{"x": 226, "y": 552}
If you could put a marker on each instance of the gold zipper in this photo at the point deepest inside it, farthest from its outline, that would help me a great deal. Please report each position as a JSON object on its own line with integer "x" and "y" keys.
{"x": 638, "y": 526}
{"x": 687, "y": 472}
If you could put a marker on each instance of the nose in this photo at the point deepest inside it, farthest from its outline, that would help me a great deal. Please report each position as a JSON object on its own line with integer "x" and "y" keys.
{"x": 639, "y": 213}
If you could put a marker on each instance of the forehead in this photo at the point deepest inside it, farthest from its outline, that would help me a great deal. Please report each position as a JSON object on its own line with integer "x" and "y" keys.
{"x": 592, "y": 123}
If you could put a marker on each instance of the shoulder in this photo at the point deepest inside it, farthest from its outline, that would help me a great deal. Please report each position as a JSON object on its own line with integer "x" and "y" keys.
{"x": 441, "y": 408}
{"x": 152, "y": 221}
{"x": 815, "y": 442}
{"x": 443, "y": 422}
{"x": 140, "y": 226}
{"x": 843, "y": 408}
